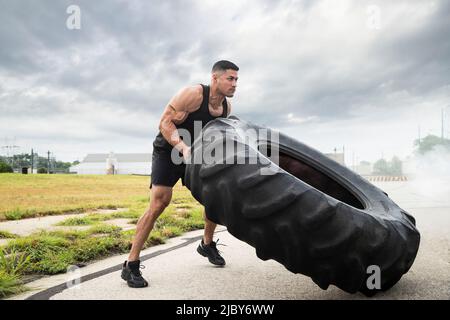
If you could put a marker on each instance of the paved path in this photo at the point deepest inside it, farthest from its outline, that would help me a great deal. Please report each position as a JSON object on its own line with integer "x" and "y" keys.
{"x": 26, "y": 227}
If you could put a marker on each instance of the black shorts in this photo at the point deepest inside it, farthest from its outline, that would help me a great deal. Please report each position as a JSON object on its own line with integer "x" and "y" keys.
{"x": 164, "y": 171}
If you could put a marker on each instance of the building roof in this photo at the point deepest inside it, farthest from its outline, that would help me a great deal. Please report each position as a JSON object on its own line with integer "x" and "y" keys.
{"x": 121, "y": 157}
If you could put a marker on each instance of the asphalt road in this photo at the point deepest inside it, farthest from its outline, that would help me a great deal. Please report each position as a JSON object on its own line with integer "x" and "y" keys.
{"x": 176, "y": 271}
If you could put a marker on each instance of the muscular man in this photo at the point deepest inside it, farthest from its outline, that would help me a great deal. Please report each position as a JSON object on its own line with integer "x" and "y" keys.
{"x": 197, "y": 103}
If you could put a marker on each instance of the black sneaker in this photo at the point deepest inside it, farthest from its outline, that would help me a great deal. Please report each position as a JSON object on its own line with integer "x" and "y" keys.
{"x": 210, "y": 251}
{"x": 132, "y": 275}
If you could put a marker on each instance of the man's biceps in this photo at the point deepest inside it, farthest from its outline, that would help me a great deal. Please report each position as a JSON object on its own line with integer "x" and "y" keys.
{"x": 171, "y": 108}
{"x": 176, "y": 104}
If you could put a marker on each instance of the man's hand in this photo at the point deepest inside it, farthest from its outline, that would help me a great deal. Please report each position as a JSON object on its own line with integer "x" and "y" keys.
{"x": 186, "y": 151}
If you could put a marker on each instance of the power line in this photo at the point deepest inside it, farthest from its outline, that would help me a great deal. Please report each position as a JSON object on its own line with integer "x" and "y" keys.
{"x": 9, "y": 147}
{"x": 10, "y": 150}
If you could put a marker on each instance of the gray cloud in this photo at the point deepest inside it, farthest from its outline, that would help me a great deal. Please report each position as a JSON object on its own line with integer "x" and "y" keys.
{"x": 302, "y": 62}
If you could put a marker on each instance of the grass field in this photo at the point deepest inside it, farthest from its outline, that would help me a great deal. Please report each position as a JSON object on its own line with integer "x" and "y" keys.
{"x": 51, "y": 252}
{"x": 24, "y": 196}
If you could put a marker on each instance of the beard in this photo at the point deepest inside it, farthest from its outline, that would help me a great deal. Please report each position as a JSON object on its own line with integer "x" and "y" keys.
{"x": 229, "y": 94}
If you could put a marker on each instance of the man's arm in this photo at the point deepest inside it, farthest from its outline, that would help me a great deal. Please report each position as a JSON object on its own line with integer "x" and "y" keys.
{"x": 184, "y": 102}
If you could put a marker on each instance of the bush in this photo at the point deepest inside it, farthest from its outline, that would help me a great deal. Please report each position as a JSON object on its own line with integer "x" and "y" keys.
{"x": 5, "y": 168}
{"x": 42, "y": 170}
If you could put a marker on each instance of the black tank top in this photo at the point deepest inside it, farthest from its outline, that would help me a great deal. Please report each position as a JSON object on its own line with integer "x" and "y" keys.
{"x": 201, "y": 114}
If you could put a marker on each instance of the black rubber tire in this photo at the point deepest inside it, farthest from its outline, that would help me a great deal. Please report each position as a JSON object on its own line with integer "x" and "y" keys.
{"x": 305, "y": 229}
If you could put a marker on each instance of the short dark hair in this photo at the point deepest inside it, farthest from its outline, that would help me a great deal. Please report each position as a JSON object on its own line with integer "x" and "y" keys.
{"x": 224, "y": 65}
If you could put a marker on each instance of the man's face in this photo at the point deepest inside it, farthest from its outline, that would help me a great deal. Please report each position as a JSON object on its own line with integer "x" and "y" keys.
{"x": 226, "y": 82}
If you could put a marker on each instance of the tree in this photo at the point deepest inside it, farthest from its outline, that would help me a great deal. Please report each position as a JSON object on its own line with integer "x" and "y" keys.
{"x": 395, "y": 166}
{"x": 62, "y": 166}
{"x": 381, "y": 167}
{"x": 21, "y": 160}
{"x": 42, "y": 170}
{"x": 429, "y": 142}
{"x": 4, "y": 167}
{"x": 24, "y": 160}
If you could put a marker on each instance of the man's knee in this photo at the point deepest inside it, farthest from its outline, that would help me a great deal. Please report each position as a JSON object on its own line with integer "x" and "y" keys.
{"x": 160, "y": 204}
{"x": 161, "y": 199}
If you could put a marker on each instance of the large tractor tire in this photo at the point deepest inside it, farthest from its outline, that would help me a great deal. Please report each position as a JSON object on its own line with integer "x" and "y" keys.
{"x": 311, "y": 214}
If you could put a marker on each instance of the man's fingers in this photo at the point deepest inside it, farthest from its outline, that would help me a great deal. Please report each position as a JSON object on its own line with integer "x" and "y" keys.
{"x": 186, "y": 154}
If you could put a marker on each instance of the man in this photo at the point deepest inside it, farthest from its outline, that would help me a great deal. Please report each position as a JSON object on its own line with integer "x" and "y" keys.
{"x": 198, "y": 103}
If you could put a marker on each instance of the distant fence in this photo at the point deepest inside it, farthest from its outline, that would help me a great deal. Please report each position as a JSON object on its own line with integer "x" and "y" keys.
{"x": 386, "y": 178}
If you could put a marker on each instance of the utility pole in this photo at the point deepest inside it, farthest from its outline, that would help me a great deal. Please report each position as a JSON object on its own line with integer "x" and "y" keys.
{"x": 48, "y": 162}
{"x": 32, "y": 158}
{"x": 353, "y": 160}
{"x": 343, "y": 154}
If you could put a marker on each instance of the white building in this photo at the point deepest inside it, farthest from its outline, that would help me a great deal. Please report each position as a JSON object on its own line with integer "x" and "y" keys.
{"x": 363, "y": 168}
{"x": 120, "y": 163}
{"x": 338, "y": 157}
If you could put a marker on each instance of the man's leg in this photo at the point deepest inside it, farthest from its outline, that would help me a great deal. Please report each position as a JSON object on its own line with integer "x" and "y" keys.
{"x": 207, "y": 246}
{"x": 209, "y": 230}
{"x": 159, "y": 200}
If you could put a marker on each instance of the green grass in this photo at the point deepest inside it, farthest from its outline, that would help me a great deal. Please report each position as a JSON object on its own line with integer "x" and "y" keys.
{"x": 14, "y": 262}
{"x": 92, "y": 219}
{"x": 10, "y": 284}
{"x": 26, "y": 196}
{"x": 104, "y": 229}
{"x": 17, "y": 214}
{"x": 11, "y": 267}
{"x": 77, "y": 221}
{"x": 124, "y": 214}
{"x": 133, "y": 221}
{"x": 7, "y": 235}
{"x": 52, "y": 252}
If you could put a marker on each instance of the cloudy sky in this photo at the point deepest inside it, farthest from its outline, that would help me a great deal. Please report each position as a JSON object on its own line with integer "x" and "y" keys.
{"x": 359, "y": 74}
